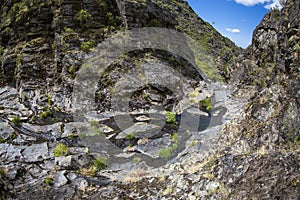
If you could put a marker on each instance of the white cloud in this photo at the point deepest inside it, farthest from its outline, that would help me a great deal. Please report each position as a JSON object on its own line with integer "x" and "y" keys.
{"x": 275, "y": 4}
{"x": 233, "y": 30}
{"x": 251, "y": 2}
{"x": 269, "y": 3}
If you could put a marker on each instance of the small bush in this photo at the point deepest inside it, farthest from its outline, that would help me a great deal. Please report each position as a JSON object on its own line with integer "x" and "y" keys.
{"x": 49, "y": 100}
{"x": 136, "y": 160}
{"x": 174, "y": 137}
{"x": 46, "y": 114}
{"x": 68, "y": 30}
{"x": 1, "y": 50}
{"x": 72, "y": 69}
{"x": 49, "y": 180}
{"x": 2, "y": 173}
{"x": 71, "y": 136}
{"x": 16, "y": 121}
{"x": 171, "y": 118}
{"x": 130, "y": 136}
{"x": 166, "y": 152}
{"x": 100, "y": 163}
{"x": 83, "y": 16}
{"x": 206, "y": 104}
{"x": 86, "y": 46}
{"x": 61, "y": 150}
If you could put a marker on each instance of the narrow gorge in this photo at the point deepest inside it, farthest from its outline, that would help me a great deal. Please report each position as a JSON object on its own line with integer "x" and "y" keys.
{"x": 142, "y": 99}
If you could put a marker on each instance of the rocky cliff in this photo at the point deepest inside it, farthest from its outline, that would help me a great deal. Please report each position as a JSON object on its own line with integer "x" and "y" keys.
{"x": 189, "y": 135}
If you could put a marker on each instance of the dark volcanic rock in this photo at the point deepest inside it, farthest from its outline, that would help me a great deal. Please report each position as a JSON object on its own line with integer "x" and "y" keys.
{"x": 45, "y": 152}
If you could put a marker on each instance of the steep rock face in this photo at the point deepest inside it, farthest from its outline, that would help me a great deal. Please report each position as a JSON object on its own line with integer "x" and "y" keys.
{"x": 44, "y": 43}
{"x": 43, "y": 46}
{"x": 269, "y": 73}
{"x": 271, "y": 68}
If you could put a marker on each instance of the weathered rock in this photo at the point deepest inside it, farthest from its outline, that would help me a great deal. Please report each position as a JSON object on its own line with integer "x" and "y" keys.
{"x": 64, "y": 162}
{"x": 36, "y": 152}
{"x": 139, "y": 130}
{"x": 6, "y": 132}
{"x": 60, "y": 179}
{"x": 10, "y": 153}
{"x": 81, "y": 184}
{"x": 46, "y": 43}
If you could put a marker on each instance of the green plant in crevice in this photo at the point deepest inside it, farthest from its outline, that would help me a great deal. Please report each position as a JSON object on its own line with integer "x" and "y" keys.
{"x": 171, "y": 118}
{"x": 206, "y": 104}
{"x": 61, "y": 150}
{"x": 174, "y": 137}
{"x": 209, "y": 164}
{"x": 95, "y": 128}
{"x": 100, "y": 163}
{"x": 47, "y": 112}
{"x": 2, "y": 173}
{"x": 136, "y": 160}
{"x": 49, "y": 98}
{"x": 86, "y": 46}
{"x": 168, "y": 151}
{"x": 72, "y": 69}
{"x": 49, "y": 180}
{"x": 1, "y": 50}
{"x": 16, "y": 121}
{"x": 83, "y": 16}
{"x": 68, "y": 30}
{"x": 71, "y": 136}
{"x": 130, "y": 136}
{"x": 165, "y": 153}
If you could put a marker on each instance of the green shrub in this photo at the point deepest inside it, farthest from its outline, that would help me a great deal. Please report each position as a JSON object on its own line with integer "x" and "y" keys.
{"x": 130, "y": 136}
{"x": 1, "y": 50}
{"x": 71, "y": 136}
{"x": 61, "y": 150}
{"x": 206, "y": 104}
{"x": 174, "y": 137}
{"x": 86, "y": 46}
{"x": 46, "y": 114}
{"x": 171, "y": 118}
{"x": 83, "y": 16}
{"x": 68, "y": 30}
{"x": 49, "y": 100}
{"x": 2, "y": 173}
{"x": 100, "y": 163}
{"x": 49, "y": 180}
{"x": 72, "y": 69}
{"x": 166, "y": 152}
{"x": 136, "y": 160}
{"x": 16, "y": 121}
{"x": 95, "y": 127}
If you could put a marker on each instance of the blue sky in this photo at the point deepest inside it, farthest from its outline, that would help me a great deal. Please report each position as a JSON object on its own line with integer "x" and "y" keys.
{"x": 235, "y": 19}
